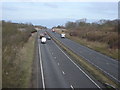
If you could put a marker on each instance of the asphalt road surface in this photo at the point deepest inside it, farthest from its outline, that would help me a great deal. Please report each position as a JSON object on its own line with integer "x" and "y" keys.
{"x": 58, "y": 70}
{"x": 108, "y": 65}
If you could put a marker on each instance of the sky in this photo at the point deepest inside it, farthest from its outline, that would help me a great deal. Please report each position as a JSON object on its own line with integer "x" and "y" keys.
{"x": 51, "y": 14}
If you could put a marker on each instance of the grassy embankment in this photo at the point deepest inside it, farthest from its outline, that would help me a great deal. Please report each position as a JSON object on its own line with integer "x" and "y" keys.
{"x": 102, "y": 37}
{"x": 17, "y": 54}
{"x": 26, "y": 55}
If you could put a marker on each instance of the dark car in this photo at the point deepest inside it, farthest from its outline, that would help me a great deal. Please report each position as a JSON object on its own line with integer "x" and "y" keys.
{"x": 48, "y": 38}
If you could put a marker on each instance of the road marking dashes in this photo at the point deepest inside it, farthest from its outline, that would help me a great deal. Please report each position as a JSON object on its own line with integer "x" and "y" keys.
{"x": 72, "y": 87}
{"x": 63, "y": 72}
{"x": 58, "y": 64}
{"x": 55, "y": 57}
{"x": 78, "y": 66}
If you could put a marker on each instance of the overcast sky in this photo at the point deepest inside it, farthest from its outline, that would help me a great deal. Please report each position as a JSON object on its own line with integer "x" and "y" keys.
{"x": 57, "y": 13}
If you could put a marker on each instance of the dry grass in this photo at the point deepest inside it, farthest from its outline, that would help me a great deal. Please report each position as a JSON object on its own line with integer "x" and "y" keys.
{"x": 18, "y": 75}
{"x": 26, "y": 56}
{"x": 17, "y": 53}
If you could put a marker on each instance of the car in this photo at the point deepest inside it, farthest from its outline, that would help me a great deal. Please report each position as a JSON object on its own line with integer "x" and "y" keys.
{"x": 48, "y": 38}
{"x": 41, "y": 35}
{"x": 43, "y": 40}
{"x": 62, "y": 35}
{"x": 45, "y": 33}
{"x": 53, "y": 30}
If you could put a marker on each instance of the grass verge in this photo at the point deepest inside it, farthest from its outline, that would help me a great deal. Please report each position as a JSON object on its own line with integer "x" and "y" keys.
{"x": 26, "y": 55}
{"x": 98, "y": 74}
{"x": 17, "y": 73}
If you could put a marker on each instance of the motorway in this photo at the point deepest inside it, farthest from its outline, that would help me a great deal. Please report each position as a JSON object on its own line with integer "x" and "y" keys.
{"x": 108, "y": 65}
{"x": 58, "y": 70}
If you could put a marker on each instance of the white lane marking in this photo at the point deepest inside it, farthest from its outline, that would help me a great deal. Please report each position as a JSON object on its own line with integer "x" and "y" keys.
{"x": 72, "y": 87}
{"x": 55, "y": 57}
{"x": 99, "y": 67}
{"x": 63, "y": 72}
{"x": 58, "y": 64}
{"x": 43, "y": 82}
{"x": 78, "y": 67}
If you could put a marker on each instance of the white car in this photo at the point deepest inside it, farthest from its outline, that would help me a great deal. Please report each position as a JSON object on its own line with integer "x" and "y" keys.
{"x": 43, "y": 40}
{"x": 63, "y": 35}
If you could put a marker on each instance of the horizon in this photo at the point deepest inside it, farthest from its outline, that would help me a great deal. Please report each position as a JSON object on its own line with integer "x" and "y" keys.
{"x": 87, "y": 21}
{"x": 50, "y": 14}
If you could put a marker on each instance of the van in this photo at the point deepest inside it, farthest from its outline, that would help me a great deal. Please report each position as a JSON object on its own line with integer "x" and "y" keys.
{"x": 63, "y": 35}
{"x": 43, "y": 40}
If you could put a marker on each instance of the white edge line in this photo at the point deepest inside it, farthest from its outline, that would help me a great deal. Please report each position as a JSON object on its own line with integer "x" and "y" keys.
{"x": 43, "y": 82}
{"x": 102, "y": 70}
{"x": 78, "y": 67}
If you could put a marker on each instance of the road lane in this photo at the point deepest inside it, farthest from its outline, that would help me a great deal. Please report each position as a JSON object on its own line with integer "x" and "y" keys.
{"x": 41, "y": 65}
{"x": 53, "y": 77}
{"x": 60, "y": 72}
{"x": 104, "y": 63}
{"x": 72, "y": 73}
